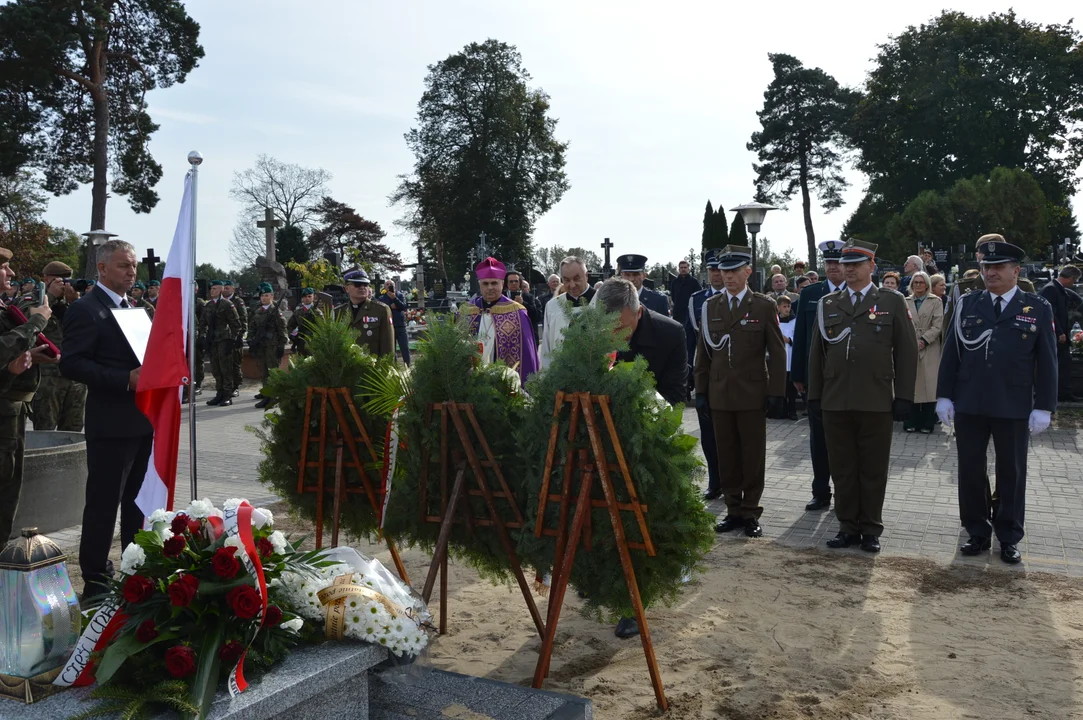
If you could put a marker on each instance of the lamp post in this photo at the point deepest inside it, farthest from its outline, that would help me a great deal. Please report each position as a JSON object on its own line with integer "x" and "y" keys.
{"x": 752, "y": 215}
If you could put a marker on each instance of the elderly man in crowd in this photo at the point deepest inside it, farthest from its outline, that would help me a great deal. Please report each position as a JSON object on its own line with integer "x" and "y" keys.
{"x": 778, "y": 289}
{"x": 913, "y": 264}
{"x": 558, "y": 311}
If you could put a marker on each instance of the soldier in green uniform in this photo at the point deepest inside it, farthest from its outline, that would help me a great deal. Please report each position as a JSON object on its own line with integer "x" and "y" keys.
{"x": 221, "y": 324}
{"x": 201, "y": 344}
{"x": 228, "y": 293}
{"x": 371, "y": 318}
{"x": 862, "y": 374}
{"x": 59, "y": 401}
{"x": 140, "y": 300}
{"x": 266, "y": 337}
{"x": 150, "y": 297}
{"x": 740, "y": 367}
{"x": 298, "y": 328}
{"x": 19, "y": 362}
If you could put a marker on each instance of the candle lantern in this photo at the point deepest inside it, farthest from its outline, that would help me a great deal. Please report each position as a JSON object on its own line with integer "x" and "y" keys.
{"x": 39, "y": 616}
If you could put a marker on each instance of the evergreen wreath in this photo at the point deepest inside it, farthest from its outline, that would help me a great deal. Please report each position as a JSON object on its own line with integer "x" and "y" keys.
{"x": 661, "y": 458}
{"x": 447, "y": 368}
{"x": 335, "y": 361}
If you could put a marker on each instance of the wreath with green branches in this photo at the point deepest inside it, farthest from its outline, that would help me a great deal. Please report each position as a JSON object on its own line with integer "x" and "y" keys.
{"x": 662, "y": 461}
{"x": 335, "y": 361}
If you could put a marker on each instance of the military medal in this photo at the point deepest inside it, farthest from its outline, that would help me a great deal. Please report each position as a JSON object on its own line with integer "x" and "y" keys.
{"x": 744, "y": 322}
{"x": 872, "y": 313}
{"x": 1034, "y": 328}
{"x": 369, "y": 333}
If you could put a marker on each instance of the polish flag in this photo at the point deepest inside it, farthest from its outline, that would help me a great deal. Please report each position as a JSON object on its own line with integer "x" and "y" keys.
{"x": 165, "y": 365}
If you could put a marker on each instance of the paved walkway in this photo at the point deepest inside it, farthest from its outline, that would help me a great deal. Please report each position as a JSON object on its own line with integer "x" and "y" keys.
{"x": 920, "y": 516}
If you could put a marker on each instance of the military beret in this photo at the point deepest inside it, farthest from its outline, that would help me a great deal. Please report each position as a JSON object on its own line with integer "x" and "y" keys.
{"x": 265, "y": 287}
{"x": 154, "y": 283}
{"x": 307, "y": 291}
{"x": 216, "y": 283}
{"x": 58, "y": 269}
{"x": 29, "y": 281}
{"x": 227, "y": 283}
{"x": 140, "y": 285}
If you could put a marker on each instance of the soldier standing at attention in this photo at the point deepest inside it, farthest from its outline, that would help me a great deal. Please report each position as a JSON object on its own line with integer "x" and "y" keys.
{"x": 59, "y": 402}
{"x": 221, "y": 324}
{"x": 998, "y": 378}
{"x": 151, "y": 296}
{"x": 740, "y": 367}
{"x": 691, "y": 332}
{"x": 862, "y": 371}
{"x": 139, "y": 300}
{"x": 371, "y": 319}
{"x": 298, "y": 328}
{"x": 18, "y": 381}
{"x": 238, "y": 343}
{"x": 201, "y": 344}
{"x": 266, "y": 337}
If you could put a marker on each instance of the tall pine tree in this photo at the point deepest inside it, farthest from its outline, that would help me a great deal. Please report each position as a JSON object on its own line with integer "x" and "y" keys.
{"x": 708, "y": 226}
{"x": 721, "y": 229}
{"x": 738, "y": 236}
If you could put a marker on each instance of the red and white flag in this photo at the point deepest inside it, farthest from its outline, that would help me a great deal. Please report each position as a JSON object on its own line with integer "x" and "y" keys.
{"x": 165, "y": 365}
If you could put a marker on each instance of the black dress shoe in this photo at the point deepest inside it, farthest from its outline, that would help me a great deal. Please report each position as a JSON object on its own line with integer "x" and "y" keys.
{"x": 870, "y": 543}
{"x": 818, "y": 504}
{"x": 263, "y": 403}
{"x": 215, "y": 400}
{"x": 752, "y": 528}
{"x": 225, "y": 402}
{"x": 976, "y": 546}
{"x": 843, "y": 540}
{"x": 627, "y": 627}
{"x": 728, "y": 524}
{"x": 712, "y": 494}
{"x": 1010, "y": 554}
{"x": 259, "y": 396}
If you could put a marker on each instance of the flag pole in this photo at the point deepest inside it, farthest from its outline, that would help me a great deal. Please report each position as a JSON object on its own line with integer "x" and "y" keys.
{"x": 195, "y": 159}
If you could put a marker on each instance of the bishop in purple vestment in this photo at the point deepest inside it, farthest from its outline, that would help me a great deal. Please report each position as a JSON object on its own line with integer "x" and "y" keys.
{"x": 502, "y": 325}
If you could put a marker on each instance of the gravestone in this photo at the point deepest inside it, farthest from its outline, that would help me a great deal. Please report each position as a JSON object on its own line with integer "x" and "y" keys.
{"x": 607, "y": 269}
{"x": 151, "y": 261}
{"x": 271, "y": 271}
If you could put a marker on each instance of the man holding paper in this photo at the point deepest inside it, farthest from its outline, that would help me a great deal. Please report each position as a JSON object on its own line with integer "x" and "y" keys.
{"x": 103, "y": 349}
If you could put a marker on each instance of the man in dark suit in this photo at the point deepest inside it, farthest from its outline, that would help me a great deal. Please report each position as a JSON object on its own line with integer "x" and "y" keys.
{"x": 633, "y": 268}
{"x": 681, "y": 289}
{"x": 1057, "y": 296}
{"x": 513, "y": 286}
{"x": 118, "y": 435}
{"x": 802, "y": 342}
{"x": 1008, "y": 394}
{"x": 660, "y": 341}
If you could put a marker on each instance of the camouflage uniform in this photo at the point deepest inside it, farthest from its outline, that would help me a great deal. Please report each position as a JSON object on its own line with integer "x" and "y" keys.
{"x": 16, "y": 392}
{"x": 298, "y": 327}
{"x": 238, "y": 347}
{"x": 59, "y": 402}
{"x": 141, "y": 303}
{"x": 267, "y": 337}
{"x": 222, "y": 325}
{"x": 201, "y": 342}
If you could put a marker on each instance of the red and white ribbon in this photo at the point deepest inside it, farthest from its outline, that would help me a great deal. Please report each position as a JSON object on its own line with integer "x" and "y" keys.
{"x": 107, "y": 622}
{"x": 238, "y": 522}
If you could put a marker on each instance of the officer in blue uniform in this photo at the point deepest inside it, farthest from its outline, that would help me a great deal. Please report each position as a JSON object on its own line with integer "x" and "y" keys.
{"x": 691, "y": 334}
{"x": 633, "y": 268}
{"x": 803, "y": 333}
{"x": 998, "y": 377}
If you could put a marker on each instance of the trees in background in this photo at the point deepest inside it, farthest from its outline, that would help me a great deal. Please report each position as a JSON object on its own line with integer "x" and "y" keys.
{"x": 800, "y": 145}
{"x": 715, "y": 229}
{"x": 959, "y": 97}
{"x": 23, "y": 230}
{"x": 738, "y": 235}
{"x": 73, "y": 83}
{"x": 341, "y": 230}
{"x": 486, "y": 158}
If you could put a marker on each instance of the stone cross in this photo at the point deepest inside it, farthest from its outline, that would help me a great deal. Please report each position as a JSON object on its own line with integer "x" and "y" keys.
{"x": 268, "y": 223}
{"x": 607, "y": 246}
{"x": 151, "y": 261}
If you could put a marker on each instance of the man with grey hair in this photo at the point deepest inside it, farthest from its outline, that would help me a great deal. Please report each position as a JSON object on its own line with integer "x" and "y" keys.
{"x": 118, "y": 435}
{"x": 913, "y": 264}
{"x": 659, "y": 340}
{"x": 1056, "y": 292}
{"x": 558, "y": 311}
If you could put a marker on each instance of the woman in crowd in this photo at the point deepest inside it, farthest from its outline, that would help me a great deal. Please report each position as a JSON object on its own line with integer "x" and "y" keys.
{"x": 940, "y": 287}
{"x": 890, "y": 280}
{"x": 928, "y": 313}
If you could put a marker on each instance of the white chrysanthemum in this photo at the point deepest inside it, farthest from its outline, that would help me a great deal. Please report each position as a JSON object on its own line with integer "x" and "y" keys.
{"x": 234, "y": 541}
{"x": 294, "y": 625}
{"x": 202, "y": 509}
{"x": 262, "y": 517}
{"x": 132, "y": 558}
{"x": 278, "y": 540}
{"x": 163, "y": 531}
{"x": 159, "y": 516}
{"x": 233, "y": 503}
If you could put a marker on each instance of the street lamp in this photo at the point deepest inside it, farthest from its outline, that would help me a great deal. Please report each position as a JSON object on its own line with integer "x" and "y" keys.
{"x": 98, "y": 237}
{"x": 752, "y": 214}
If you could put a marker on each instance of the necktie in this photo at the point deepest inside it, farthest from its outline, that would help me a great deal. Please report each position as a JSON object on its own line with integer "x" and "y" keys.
{"x": 124, "y": 303}
{"x": 996, "y": 306}
{"x": 857, "y": 299}
{"x": 733, "y": 303}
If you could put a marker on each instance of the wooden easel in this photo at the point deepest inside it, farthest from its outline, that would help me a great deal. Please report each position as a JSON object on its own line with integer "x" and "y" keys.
{"x": 591, "y": 463}
{"x": 340, "y": 400}
{"x": 450, "y": 505}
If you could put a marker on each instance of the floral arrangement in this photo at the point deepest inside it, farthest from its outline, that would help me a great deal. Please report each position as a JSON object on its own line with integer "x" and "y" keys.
{"x": 416, "y": 316}
{"x": 205, "y": 589}
{"x": 1077, "y": 341}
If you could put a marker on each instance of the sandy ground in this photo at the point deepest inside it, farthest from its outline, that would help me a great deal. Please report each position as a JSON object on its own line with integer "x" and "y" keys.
{"x": 773, "y": 632}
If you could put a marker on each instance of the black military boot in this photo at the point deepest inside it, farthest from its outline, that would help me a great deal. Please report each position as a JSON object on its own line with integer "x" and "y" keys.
{"x": 216, "y": 400}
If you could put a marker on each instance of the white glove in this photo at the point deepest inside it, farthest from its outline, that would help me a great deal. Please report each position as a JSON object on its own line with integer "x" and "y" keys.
{"x": 945, "y": 410}
{"x": 1039, "y": 421}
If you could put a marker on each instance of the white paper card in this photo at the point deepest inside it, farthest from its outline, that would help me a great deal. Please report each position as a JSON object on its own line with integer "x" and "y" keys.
{"x": 135, "y": 324}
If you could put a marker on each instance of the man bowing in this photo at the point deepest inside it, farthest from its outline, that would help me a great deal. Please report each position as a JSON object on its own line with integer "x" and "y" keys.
{"x": 502, "y": 325}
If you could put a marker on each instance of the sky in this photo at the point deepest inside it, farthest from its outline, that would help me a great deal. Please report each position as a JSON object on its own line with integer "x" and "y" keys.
{"x": 657, "y": 101}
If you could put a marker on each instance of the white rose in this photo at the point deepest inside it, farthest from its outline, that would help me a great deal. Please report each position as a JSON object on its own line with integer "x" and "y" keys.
{"x": 132, "y": 558}
{"x": 262, "y": 517}
{"x": 294, "y": 625}
{"x": 234, "y": 541}
{"x": 202, "y": 509}
{"x": 278, "y": 540}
